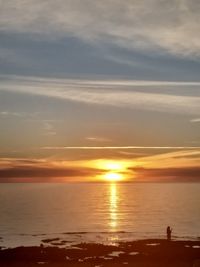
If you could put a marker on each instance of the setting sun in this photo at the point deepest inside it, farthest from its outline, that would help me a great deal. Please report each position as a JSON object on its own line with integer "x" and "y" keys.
{"x": 114, "y": 170}
{"x": 111, "y": 176}
{"x": 112, "y": 165}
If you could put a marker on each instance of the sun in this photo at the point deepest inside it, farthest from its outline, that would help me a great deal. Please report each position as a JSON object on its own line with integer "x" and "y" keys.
{"x": 111, "y": 165}
{"x": 111, "y": 170}
{"x": 114, "y": 170}
{"x": 113, "y": 177}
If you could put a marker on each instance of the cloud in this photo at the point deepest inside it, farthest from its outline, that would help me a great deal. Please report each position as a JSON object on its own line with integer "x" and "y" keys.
{"x": 11, "y": 114}
{"x": 118, "y": 147}
{"x": 184, "y": 174}
{"x": 21, "y": 115}
{"x": 117, "y": 93}
{"x": 97, "y": 139}
{"x": 171, "y": 160}
{"x": 195, "y": 120}
{"x": 169, "y": 26}
{"x": 41, "y": 170}
{"x": 48, "y": 128}
{"x": 177, "y": 166}
{"x": 177, "y": 154}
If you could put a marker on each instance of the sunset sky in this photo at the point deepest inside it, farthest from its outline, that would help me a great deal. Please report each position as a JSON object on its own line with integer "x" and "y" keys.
{"x": 91, "y": 90}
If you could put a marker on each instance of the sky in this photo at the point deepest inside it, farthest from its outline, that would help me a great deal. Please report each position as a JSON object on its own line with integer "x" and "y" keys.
{"x": 90, "y": 88}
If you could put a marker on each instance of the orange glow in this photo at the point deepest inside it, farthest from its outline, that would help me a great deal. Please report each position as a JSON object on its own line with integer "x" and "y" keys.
{"x": 112, "y": 165}
{"x": 113, "y": 207}
{"x": 113, "y": 177}
{"x": 115, "y": 171}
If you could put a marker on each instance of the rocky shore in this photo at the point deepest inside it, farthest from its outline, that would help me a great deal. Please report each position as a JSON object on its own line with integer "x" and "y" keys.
{"x": 142, "y": 253}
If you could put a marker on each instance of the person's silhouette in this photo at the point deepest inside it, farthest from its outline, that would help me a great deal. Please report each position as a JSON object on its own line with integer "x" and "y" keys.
{"x": 169, "y": 232}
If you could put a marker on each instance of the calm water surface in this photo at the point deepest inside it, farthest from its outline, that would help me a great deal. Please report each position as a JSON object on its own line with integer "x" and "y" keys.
{"x": 104, "y": 213}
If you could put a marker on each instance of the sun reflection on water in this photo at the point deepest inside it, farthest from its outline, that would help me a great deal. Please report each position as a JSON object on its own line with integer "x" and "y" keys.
{"x": 113, "y": 207}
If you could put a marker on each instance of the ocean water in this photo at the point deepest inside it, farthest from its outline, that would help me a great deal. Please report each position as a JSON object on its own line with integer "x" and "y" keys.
{"x": 104, "y": 213}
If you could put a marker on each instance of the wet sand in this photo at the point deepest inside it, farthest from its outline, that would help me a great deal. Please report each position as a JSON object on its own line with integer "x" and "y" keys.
{"x": 143, "y": 253}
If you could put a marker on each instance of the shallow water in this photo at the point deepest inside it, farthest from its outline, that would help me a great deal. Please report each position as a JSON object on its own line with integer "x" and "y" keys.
{"x": 105, "y": 213}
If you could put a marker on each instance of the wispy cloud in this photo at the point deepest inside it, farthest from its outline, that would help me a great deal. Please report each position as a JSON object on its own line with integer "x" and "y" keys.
{"x": 48, "y": 128}
{"x": 21, "y": 115}
{"x": 97, "y": 139}
{"x": 117, "y": 93}
{"x": 11, "y": 114}
{"x": 195, "y": 120}
{"x": 171, "y": 26}
{"x": 117, "y": 147}
{"x": 172, "y": 159}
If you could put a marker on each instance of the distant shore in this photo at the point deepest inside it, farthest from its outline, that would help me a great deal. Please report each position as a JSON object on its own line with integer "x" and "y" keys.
{"x": 141, "y": 253}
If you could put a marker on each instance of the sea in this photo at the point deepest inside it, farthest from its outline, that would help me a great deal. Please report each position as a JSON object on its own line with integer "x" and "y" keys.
{"x": 105, "y": 213}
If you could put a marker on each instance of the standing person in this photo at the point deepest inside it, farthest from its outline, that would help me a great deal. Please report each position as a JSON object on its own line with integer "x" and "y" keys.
{"x": 169, "y": 232}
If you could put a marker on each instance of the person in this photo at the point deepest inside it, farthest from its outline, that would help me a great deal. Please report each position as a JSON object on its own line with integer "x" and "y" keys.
{"x": 169, "y": 232}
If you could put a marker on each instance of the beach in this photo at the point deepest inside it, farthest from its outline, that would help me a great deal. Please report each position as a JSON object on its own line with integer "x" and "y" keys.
{"x": 149, "y": 252}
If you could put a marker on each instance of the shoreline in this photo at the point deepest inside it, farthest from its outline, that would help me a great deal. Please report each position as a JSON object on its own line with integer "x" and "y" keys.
{"x": 140, "y": 253}
{"x": 74, "y": 238}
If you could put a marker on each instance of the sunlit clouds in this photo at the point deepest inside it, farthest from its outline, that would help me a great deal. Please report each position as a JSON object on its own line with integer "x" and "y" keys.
{"x": 119, "y": 147}
{"x": 114, "y": 170}
{"x": 173, "y": 166}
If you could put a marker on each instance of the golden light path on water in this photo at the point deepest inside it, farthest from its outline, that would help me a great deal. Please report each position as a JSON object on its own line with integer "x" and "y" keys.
{"x": 113, "y": 206}
{"x": 114, "y": 172}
